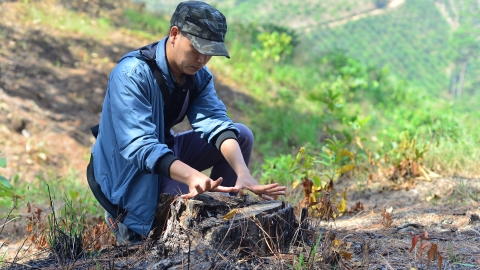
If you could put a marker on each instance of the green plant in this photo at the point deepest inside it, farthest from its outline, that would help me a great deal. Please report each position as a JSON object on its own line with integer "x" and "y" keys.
{"x": 6, "y": 188}
{"x": 65, "y": 232}
{"x": 453, "y": 256}
{"x": 310, "y": 260}
{"x": 406, "y": 157}
{"x": 275, "y": 45}
{"x": 317, "y": 174}
{"x": 276, "y": 170}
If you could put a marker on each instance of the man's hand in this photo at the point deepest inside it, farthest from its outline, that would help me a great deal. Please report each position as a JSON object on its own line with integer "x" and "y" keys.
{"x": 247, "y": 182}
{"x": 196, "y": 181}
{"x": 200, "y": 185}
{"x": 232, "y": 153}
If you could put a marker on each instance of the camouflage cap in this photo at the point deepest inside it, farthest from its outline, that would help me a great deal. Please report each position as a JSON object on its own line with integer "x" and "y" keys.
{"x": 204, "y": 25}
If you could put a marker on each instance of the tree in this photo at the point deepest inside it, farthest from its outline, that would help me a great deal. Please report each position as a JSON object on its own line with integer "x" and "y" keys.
{"x": 464, "y": 44}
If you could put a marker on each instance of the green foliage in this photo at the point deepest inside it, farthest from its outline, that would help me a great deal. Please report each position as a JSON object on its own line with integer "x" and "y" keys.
{"x": 407, "y": 148}
{"x": 277, "y": 12}
{"x": 145, "y": 21}
{"x": 276, "y": 170}
{"x": 275, "y": 45}
{"x": 302, "y": 264}
{"x": 411, "y": 40}
{"x": 6, "y": 188}
{"x": 333, "y": 160}
{"x": 69, "y": 20}
{"x": 35, "y": 191}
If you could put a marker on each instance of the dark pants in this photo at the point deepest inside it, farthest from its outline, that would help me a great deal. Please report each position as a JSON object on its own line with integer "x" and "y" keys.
{"x": 200, "y": 155}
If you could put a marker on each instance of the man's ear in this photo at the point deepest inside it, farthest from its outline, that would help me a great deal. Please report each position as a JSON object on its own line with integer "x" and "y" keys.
{"x": 174, "y": 34}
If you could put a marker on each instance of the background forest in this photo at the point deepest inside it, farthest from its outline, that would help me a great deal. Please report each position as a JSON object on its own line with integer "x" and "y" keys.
{"x": 374, "y": 73}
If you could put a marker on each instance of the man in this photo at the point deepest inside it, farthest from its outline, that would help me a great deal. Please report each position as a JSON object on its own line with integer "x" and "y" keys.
{"x": 135, "y": 157}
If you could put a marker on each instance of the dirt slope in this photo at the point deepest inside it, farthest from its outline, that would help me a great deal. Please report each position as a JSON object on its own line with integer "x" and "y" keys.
{"x": 52, "y": 85}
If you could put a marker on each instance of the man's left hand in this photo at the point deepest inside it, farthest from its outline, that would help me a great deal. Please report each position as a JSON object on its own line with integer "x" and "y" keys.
{"x": 263, "y": 191}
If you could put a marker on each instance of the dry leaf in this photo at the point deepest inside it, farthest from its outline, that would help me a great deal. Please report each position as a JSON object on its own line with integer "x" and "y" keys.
{"x": 37, "y": 211}
{"x": 414, "y": 242}
{"x": 29, "y": 227}
{"x": 357, "y": 207}
{"x": 425, "y": 235}
{"x": 431, "y": 253}
{"x": 440, "y": 261}
{"x": 387, "y": 219}
{"x": 347, "y": 168}
{"x": 347, "y": 255}
{"x": 424, "y": 245}
{"x": 230, "y": 214}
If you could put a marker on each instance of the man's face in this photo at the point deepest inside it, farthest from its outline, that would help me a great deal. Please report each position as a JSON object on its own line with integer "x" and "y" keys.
{"x": 186, "y": 58}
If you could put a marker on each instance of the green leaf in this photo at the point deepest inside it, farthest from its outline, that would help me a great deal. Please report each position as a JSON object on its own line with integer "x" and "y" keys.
{"x": 3, "y": 162}
{"x": 316, "y": 181}
{"x": 5, "y": 182}
{"x": 323, "y": 163}
{"x": 6, "y": 189}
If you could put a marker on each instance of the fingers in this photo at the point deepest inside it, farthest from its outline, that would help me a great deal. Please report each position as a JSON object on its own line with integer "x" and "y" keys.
{"x": 216, "y": 183}
{"x": 224, "y": 189}
{"x": 271, "y": 190}
{"x": 207, "y": 185}
{"x": 265, "y": 197}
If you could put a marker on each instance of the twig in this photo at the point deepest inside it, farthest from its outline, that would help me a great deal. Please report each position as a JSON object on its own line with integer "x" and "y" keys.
{"x": 389, "y": 266}
{"x": 20, "y": 248}
{"x": 219, "y": 246}
{"x": 189, "y": 249}
{"x": 8, "y": 215}
{"x": 19, "y": 264}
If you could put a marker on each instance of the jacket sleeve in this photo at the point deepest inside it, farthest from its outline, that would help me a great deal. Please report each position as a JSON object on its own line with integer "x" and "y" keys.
{"x": 133, "y": 119}
{"x": 208, "y": 116}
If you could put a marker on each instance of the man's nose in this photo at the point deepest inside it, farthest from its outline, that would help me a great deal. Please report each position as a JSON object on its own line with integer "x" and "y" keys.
{"x": 202, "y": 58}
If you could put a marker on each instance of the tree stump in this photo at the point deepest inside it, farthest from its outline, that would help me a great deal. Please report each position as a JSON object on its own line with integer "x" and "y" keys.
{"x": 226, "y": 222}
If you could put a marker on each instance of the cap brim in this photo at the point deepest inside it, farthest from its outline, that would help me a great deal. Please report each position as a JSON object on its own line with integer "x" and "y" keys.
{"x": 208, "y": 47}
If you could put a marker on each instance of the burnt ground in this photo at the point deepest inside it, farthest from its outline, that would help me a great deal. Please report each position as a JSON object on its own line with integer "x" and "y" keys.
{"x": 359, "y": 239}
{"x": 51, "y": 90}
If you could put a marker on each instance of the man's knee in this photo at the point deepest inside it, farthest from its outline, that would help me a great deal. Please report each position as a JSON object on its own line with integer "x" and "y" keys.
{"x": 246, "y": 135}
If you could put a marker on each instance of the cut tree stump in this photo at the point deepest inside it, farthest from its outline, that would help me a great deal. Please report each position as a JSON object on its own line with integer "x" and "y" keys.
{"x": 225, "y": 222}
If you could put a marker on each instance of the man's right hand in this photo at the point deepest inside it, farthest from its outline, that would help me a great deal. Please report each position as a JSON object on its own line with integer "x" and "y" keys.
{"x": 204, "y": 185}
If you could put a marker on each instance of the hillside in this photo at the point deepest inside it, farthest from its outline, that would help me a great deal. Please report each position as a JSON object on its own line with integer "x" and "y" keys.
{"x": 285, "y": 13}
{"x": 411, "y": 40}
{"x": 412, "y": 37}
{"x": 414, "y": 155}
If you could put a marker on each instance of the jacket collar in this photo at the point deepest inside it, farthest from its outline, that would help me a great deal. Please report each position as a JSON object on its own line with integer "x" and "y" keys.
{"x": 161, "y": 60}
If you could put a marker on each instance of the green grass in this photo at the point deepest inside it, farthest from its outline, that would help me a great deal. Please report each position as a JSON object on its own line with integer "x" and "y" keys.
{"x": 61, "y": 187}
{"x": 68, "y": 21}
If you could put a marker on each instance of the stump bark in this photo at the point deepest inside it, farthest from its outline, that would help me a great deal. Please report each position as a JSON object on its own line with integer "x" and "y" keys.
{"x": 225, "y": 222}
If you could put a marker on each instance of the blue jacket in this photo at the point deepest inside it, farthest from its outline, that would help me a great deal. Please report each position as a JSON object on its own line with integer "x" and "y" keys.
{"x": 131, "y": 137}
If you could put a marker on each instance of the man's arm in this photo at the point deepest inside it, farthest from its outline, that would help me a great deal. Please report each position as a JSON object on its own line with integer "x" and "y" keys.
{"x": 199, "y": 183}
{"x": 232, "y": 153}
